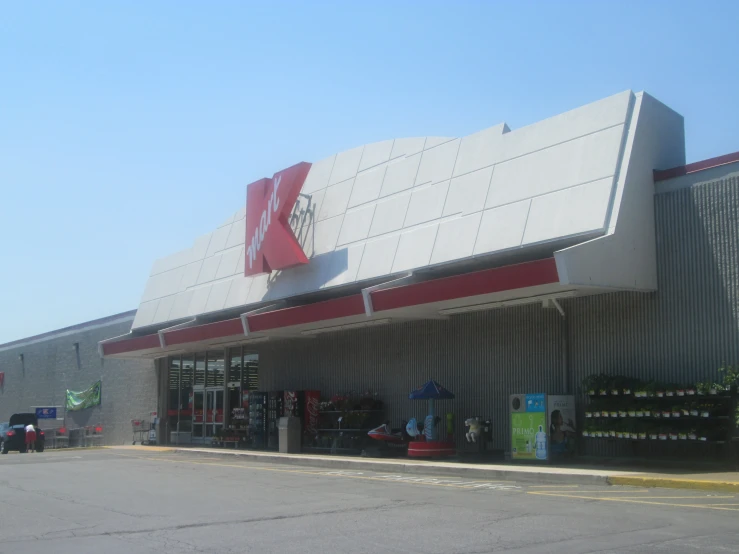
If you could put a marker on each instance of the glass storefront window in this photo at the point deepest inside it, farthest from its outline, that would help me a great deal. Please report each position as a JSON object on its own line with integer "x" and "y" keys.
{"x": 186, "y": 382}
{"x": 234, "y": 368}
{"x": 251, "y": 372}
{"x": 199, "y": 369}
{"x": 173, "y": 390}
{"x": 216, "y": 368}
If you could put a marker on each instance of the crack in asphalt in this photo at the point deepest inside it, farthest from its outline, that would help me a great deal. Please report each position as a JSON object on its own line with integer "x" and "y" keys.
{"x": 74, "y": 534}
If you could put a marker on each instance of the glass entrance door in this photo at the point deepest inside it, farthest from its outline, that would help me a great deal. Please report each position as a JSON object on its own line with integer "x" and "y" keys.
{"x": 198, "y": 417}
{"x": 214, "y": 411}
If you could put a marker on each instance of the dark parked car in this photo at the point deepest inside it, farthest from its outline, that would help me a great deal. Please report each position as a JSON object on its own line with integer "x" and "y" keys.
{"x": 13, "y": 433}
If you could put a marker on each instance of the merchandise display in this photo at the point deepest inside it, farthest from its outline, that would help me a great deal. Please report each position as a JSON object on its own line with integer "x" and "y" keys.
{"x": 699, "y": 416}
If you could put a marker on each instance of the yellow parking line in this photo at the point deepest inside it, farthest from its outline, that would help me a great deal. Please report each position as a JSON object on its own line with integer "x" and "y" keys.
{"x": 554, "y": 486}
{"x": 327, "y": 473}
{"x": 631, "y": 501}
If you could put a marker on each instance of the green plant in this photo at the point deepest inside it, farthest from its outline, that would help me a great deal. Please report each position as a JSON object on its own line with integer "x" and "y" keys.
{"x": 730, "y": 375}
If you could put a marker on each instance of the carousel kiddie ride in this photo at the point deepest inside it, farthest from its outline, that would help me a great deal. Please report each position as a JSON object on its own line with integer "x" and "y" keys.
{"x": 427, "y": 443}
{"x": 420, "y": 439}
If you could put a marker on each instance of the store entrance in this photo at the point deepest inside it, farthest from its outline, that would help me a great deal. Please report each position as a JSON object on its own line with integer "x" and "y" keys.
{"x": 208, "y": 413}
{"x": 214, "y": 411}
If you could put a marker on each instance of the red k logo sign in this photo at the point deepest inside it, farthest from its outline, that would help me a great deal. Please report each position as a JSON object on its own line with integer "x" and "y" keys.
{"x": 270, "y": 242}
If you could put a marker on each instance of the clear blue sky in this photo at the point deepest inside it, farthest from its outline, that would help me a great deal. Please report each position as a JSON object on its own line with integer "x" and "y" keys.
{"x": 127, "y": 129}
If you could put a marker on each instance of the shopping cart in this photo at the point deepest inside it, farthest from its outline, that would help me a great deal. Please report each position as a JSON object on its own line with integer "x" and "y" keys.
{"x": 141, "y": 428}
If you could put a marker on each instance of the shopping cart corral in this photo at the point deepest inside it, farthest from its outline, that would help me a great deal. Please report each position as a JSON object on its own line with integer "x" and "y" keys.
{"x": 143, "y": 432}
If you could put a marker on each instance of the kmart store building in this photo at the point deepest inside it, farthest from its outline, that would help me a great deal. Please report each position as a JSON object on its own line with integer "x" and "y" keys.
{"x": 503, "y": 262}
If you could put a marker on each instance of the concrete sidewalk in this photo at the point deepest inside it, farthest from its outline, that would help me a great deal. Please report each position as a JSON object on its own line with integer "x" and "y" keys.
{"x": 542, "y": 475}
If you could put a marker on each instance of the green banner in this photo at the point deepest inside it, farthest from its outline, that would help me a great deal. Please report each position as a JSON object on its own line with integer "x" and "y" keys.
{"x": 84, "y": 399}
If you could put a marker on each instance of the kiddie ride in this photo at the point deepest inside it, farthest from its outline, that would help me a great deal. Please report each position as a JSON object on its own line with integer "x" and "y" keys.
{"x": 421, "y": 441}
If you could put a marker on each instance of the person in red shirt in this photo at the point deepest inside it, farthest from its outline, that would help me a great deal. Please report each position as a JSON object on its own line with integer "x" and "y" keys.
{"x": 30, "y": 438}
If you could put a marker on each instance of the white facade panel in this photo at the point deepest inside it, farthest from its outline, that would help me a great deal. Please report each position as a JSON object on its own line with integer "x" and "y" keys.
{"x": 346, "y": 165}
{"x": 400, "y": 175}
{"x": 367, "y": 186}
{"x": 229, "y": 263}
{"x": 502, "y": 228}
{"x": 572, "y": 211}
{"x": 163, "y": 309}
{"x": 321, "y": 238}
{"x": 347, "y": 271}
{"x": 467, "y": 193}
{"x": 319, "y": 175}
{"x": 199, "y": 300}
{"x": 378, "y": 257}
{"x": 407, "y": 147}
{"x": 437, "y": 163}
{"x": 356, "y": 225}
{"x": 209, "y": 269}
{"x": 336, "y": 199}
{"x": 578, "y": 161}
{"x": 145, "y": 313}
{"x": 414, "y": 248}
{"x": 237, "y": 235}
{"x": 426, "y": 204}
{"x": 238, "y": 294}
{"x": 480, "y": 150}
{"x": 181, "y": 305}
{"x": 390, "y": 214}
{"x": 190, "y": 275}
{"x": 456, "y": 238}
{"x": 218, "y": 240}
{"x": 218, "y": 294}
{"x": 375, "y": 154}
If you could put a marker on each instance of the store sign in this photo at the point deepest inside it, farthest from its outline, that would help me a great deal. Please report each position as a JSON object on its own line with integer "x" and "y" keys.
{"x": 270, "y": 242}
{"x": 45, "y": 413}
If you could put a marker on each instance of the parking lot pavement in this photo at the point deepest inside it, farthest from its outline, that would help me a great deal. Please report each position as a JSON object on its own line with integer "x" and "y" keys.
{"x": 157, "y": 501}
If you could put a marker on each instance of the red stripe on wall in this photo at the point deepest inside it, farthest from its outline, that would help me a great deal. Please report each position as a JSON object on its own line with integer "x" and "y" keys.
{"x": 510, "y": 277}
{"x": 131, "y": 345}
{"x": 663, "y": 174}
{"x": 227, "y": 328}
{"x": 310, "y": 313}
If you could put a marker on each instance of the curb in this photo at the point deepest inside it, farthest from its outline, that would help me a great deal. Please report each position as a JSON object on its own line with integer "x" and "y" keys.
{"x": 385, "y": 466}
{"x": 660, "y": 482}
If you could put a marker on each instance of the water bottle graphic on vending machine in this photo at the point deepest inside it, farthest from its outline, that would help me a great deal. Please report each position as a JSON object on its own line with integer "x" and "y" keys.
{"x": 541, "y": 444}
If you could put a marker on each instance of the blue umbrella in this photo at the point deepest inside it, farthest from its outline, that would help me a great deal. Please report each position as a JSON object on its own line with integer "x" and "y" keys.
{"x": 431, "y": 391}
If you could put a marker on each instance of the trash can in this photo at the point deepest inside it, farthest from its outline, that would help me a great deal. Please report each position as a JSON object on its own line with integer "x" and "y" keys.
{"x": 289, "y": 434}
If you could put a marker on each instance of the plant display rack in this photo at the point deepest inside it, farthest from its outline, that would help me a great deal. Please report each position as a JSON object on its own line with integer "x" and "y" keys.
{"x": 695, "y": 415}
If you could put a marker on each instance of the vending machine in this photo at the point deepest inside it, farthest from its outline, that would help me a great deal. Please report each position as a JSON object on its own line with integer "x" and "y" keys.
{"x": 275, "y": 410}
{"x": 305, "y": 405}
{"x": 542, "y": 426}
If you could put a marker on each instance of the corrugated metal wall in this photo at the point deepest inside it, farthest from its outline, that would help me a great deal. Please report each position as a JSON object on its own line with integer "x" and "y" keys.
{"x": 681, "y": 333}
{"x": 481, "y": 357}
{"x": 690, "y": 326}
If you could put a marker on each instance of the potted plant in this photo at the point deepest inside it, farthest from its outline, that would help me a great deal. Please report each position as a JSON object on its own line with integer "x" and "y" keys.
{"x": 730, "y": 376}
{"x": 676, "y": 411}
{"x": 653, "y": 432}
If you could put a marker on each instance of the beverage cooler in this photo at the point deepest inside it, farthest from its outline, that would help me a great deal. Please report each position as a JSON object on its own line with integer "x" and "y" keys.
{"x": 275, "y": 410}
{"x": 305, "y": 405}
{"x": 258, "y": 419}
{"x": 542, "y": 426}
